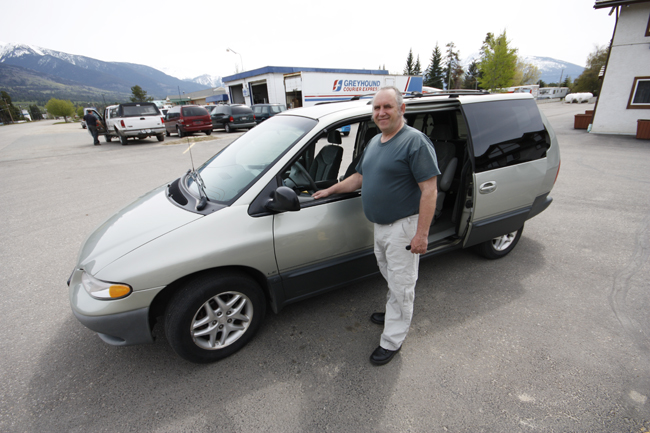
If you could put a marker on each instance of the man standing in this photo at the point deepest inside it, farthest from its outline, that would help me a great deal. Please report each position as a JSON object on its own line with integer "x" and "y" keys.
{"x": 398, "y": 176}
{"x": 91, "y": 123}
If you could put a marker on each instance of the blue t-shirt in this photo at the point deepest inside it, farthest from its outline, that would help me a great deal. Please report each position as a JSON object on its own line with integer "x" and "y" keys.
{"x": 391, "y": 172}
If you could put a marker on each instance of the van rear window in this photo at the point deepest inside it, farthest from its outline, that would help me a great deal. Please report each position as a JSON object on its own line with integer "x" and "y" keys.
{"x": 194, "y": 111}
{"x": 241, "y": 110}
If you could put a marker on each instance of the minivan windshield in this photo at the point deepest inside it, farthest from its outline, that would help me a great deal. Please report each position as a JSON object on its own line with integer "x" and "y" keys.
{"x": 233, "y": 170}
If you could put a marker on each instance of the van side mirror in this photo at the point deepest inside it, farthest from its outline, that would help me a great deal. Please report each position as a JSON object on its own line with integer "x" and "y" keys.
{"x": 283, "y": 199}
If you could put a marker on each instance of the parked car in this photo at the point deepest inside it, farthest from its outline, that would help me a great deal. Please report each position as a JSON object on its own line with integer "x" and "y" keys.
{"x": 215, "y": 247}
{"x": 232, "y": 117}
{"x": 264, "y": 111}
{"x": 186, "y": 119}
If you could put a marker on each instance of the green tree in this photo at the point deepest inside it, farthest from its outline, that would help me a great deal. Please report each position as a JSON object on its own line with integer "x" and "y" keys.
{"x": 434, "y": 75}
{"x": 60, "y": 108}
{"x": 453, "y": 70}
{"x": 410, "y": 67}
{"x": 542, "y": 83}
{"x": 8, "y": 112}
{"x": 35, "y": 112}
{"x": 567, "y": 83}
{"x": 140, "y": 95}
{"x": 588, "y": 81}
{"x": 471, "y": 76}
{"x": 498, "y": 62}
{"x": 80, "y": 112}
{"x": 417, "y": 69}
{"x": 525, "y": 73}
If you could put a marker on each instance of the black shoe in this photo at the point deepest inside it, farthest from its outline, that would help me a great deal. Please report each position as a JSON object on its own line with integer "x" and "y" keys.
{"x": 378, "y": 318}
{"x": 382, "y": 356}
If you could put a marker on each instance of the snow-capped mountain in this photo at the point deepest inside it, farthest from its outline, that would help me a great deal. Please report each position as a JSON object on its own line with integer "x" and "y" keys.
{"x": 85, "y": 71}
{"x": 208, "y": 80}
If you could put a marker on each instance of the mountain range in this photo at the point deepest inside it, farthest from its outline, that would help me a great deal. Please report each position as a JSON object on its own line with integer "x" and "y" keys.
{"x": 30, "y": 73}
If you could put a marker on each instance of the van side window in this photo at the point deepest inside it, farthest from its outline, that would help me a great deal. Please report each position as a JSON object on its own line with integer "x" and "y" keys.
{"x": 506, "y": 133}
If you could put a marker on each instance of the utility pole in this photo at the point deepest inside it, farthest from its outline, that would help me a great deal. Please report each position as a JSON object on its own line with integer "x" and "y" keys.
{"x": 8, "y": 110}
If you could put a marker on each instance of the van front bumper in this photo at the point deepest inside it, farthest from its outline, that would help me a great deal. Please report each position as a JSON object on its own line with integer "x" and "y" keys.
{"x": 121, "y": 329}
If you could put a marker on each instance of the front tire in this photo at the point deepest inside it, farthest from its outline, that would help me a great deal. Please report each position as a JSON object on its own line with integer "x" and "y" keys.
{"x": 108, "y": 138}
{"x": 214, "y": 316}
{"x": 499, "y": 246}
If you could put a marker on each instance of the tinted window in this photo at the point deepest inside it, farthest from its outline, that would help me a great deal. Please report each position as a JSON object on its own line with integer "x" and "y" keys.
{"x": 277, "y": 108}
{"x": 505, "y": 133}
{"x": 194, "y": 111}
{"x": 241, "y": 110}
{"x": 139, "y": 110}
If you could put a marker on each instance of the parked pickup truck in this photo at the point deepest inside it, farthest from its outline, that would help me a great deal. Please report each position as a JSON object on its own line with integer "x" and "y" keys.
{"x": 132, "y": 120}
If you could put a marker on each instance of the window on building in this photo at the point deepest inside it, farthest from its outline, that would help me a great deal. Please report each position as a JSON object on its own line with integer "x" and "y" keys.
{"x": 640, "y": 94}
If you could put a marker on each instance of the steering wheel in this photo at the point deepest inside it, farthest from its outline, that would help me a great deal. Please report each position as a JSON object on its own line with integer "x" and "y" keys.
{"x": 306, "y": 176}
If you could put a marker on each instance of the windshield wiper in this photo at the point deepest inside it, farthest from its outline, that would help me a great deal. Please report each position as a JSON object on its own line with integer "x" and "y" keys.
{"x": 203, "y": 197}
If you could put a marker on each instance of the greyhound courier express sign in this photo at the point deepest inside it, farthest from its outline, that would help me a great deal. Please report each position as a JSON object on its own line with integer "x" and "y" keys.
{"x": 318, "y": 87}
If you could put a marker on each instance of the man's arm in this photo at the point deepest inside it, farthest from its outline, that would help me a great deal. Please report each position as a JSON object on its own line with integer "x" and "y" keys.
{"x": 429, "y": 189}
{"x": 352, "y": 183}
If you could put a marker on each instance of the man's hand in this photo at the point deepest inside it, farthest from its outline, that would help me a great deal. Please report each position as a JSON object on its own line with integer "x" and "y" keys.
{"x": 419, "y": 244}
{"x": 321, "y": 193}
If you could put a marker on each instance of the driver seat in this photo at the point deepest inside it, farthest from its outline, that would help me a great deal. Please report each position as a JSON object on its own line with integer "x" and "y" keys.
{"x": 326, "y": 165}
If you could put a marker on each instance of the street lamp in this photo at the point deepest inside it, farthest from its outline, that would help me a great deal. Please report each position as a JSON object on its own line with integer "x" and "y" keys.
{"x": 240, "y": 59}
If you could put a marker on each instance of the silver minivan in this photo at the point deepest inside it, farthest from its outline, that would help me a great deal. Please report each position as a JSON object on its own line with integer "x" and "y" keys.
{"x": 209, "y": 251}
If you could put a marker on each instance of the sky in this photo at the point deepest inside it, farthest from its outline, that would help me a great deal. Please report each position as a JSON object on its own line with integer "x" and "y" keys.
{"x": 188, "y": 39}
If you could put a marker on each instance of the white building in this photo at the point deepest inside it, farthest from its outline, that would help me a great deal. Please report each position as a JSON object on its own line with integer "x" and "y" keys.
{"x": 303, "y": 87}
{"x": 625, "y": 94}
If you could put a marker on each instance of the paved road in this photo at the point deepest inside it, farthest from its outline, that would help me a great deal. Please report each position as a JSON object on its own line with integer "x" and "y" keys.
{"x": 554, "y": 337}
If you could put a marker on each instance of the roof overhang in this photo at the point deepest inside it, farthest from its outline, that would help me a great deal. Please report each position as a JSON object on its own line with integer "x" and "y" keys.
{"x": 601, "y": 4}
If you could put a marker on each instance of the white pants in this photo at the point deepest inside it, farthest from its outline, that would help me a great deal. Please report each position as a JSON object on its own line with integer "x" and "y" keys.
{"x": 400, "y": 270}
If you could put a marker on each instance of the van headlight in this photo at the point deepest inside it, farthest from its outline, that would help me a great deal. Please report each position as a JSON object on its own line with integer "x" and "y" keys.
{"x": 99, "y": 289}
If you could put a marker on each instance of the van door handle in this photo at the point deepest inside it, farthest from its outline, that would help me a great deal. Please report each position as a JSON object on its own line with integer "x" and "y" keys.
{"x": 487, "y": 187}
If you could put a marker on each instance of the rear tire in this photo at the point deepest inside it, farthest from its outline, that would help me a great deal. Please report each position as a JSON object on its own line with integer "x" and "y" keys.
{"x": 500, "y": 246}
{"x": 214, "y": 316}
{"x": 160, "y": 137}
{"x": 123, "y": 140}
{"x": 167, "y": 133}
{"x": 227, "y": 128}
{"x": 180, "y": 132}
{"x": 208, "y": 132}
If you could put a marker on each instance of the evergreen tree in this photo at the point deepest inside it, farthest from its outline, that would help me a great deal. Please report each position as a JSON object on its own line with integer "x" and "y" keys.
{"x": 498, "y": 62}
{"x": 471, "y": 76}
{"x": 434, "y": 75}
{"x": 417, "y": 69}
{"x": 35, "y": 112}
{"x": 140, "y": 95}
{"x": 453, "y": 70}
{"x": 408, "y": 69}
{"x": 8, "y": 112}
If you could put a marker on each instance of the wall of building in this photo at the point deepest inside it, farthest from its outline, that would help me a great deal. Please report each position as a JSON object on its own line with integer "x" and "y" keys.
{"x": 629, "y": 58}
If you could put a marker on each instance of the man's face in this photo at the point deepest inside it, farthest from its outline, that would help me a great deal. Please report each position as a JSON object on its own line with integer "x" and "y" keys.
{"x": 386, "y": 113}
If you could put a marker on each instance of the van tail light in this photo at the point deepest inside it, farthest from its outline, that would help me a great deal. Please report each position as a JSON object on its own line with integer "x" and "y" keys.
{"x": 558, "y": 171}
{"x": 122, "y": 123}
{"x": 254, "y": 117}
{"x": 231, "y": 119}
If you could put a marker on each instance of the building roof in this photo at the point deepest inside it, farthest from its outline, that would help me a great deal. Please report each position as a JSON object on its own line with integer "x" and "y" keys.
{"x": 292, "y": 70}
{"x": 197, "y": 95}
{"x": 613, "y": 3}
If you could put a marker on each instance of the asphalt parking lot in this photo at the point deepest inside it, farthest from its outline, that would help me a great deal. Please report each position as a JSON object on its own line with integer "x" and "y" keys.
{"x": 555, "y": 337}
